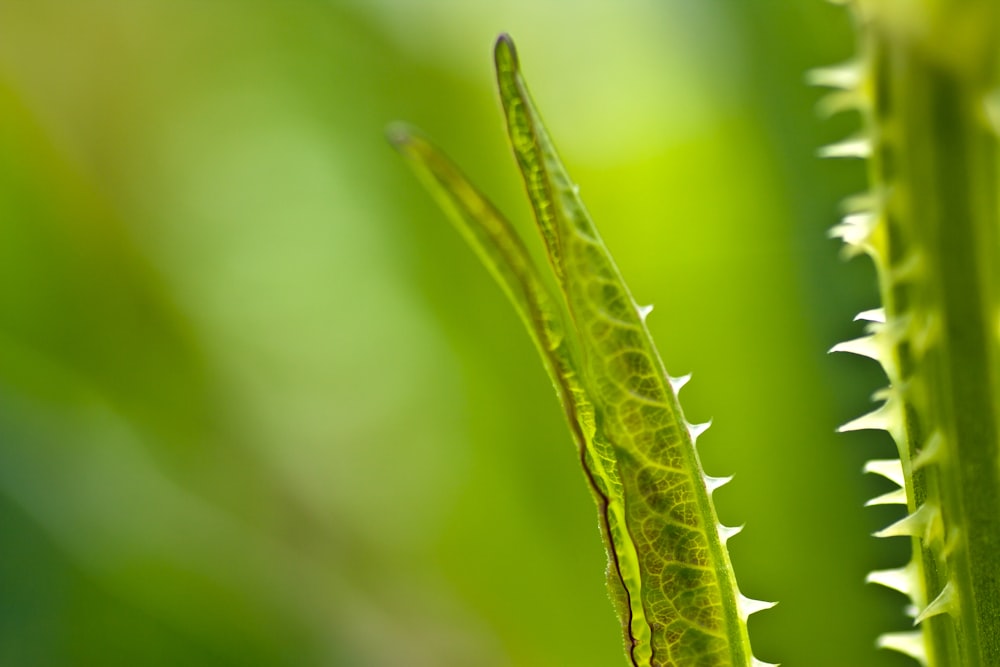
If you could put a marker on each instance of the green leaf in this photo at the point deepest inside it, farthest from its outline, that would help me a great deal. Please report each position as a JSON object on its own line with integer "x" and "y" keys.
{"x": 669, "y": 572}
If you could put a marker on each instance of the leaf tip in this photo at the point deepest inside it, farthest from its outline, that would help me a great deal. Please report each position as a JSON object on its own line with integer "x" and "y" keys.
{"x": 505, "y": 53}
{"x": 399, "y": 134}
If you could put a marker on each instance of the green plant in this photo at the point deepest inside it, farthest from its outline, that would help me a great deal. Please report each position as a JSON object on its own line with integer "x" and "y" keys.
{"x": 669, "y": 573}
{"x": 925, "y": 83}
{"x": 930, "y": 225}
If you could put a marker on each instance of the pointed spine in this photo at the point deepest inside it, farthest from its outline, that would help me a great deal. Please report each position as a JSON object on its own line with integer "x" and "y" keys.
{"x": 945, "y": 603}
{"x": 905, "y": 580}
{"x": 891, "y": 469}
{"x": 749, "y": 606}
{"x": 908, "y": 643}
{"x": 866, "y": 346}
{"x": 872, "y": 315}
{"x": 728, "y": 532}
{"x": 895, "y": 497}
{"x": 856, "y": 147}
{"x": 678, "y": 383}
{"x": 695, "y": 430}
{"x": 715, "y": 483}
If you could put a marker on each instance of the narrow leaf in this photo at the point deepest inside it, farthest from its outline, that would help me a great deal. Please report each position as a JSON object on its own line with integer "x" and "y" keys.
{"x": 669, "y": 572}
{"x": 489, "y": 233}
{"x": 683, "y": 603}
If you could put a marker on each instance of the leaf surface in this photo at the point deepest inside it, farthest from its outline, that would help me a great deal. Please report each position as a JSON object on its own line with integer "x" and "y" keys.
{"x": 669, "y": 572}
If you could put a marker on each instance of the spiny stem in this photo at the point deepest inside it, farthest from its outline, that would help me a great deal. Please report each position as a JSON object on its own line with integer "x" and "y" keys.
{"x": 933, "y": 229}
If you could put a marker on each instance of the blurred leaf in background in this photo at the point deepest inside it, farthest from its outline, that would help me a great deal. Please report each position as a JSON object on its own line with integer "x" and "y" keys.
{"x": 260, "y": 406}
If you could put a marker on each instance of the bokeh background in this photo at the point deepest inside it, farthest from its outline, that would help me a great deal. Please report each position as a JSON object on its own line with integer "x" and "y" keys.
{"x": 260, "y": 406}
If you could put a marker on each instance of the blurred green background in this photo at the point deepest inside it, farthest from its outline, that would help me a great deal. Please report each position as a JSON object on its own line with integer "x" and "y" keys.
{"x": 260, "y": 406}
